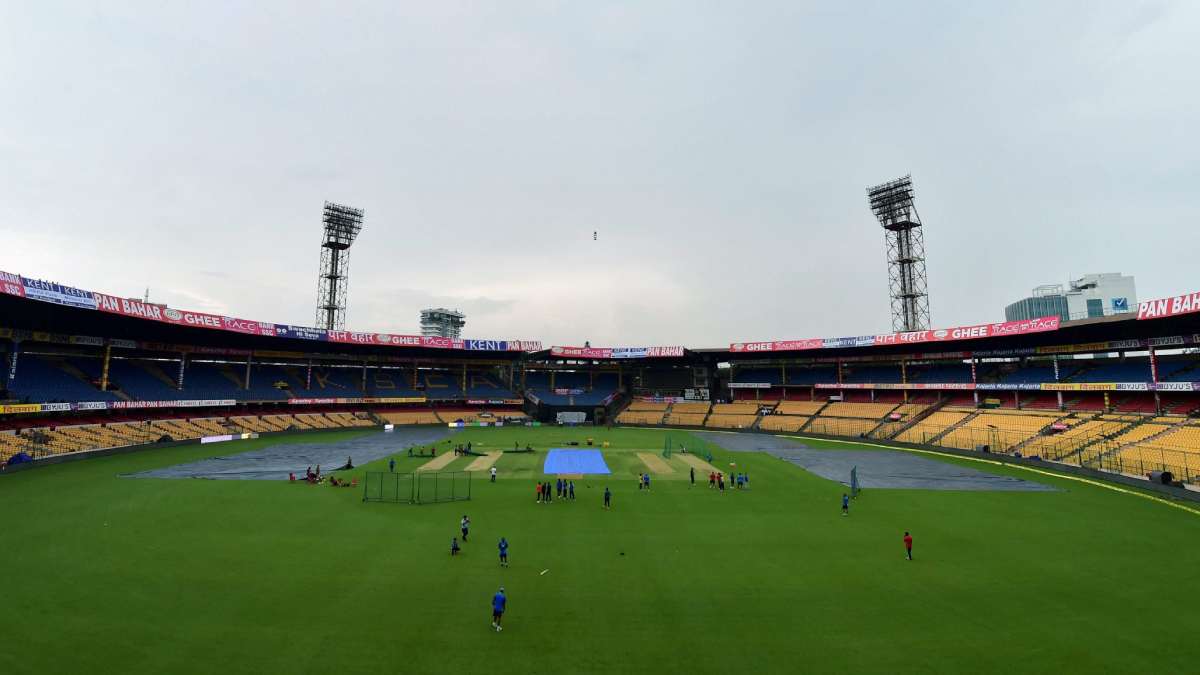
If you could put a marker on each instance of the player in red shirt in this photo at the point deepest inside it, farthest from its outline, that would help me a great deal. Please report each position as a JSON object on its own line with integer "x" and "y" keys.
{"x": 908, "y": 545}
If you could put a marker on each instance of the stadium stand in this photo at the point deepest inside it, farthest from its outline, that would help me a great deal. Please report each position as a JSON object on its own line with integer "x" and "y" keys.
{"x": 46, "y": 379}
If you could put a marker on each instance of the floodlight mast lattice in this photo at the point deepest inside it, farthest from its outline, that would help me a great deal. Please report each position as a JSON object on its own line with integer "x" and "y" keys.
{"x": 342, "y": 225}
{"x": 892, "y": 204}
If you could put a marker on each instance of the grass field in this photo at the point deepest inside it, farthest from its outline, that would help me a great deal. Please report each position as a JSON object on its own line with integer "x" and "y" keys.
{"x": 111, "y": 574}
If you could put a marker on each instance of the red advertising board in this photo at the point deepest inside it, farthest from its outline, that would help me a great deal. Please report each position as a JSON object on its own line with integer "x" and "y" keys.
{"x": 582, "y": 352}
{"x": 985, "y": 330}
{"x": 777, "y": 345}
{"x": 11, "y": 284}
{"x": 391, "y": 340}
{"x": 1163, "y": 307}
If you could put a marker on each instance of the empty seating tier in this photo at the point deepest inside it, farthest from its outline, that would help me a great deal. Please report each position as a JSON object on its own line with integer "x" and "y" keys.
{"x": 725, "y": 421}
{"x": 799, "y": 407}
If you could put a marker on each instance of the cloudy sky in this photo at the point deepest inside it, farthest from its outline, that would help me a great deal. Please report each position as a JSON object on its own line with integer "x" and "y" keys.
{"x": 719, "y": 150}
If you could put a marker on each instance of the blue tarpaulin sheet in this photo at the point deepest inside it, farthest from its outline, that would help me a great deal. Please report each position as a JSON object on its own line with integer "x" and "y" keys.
{"x": 575, "y": 461}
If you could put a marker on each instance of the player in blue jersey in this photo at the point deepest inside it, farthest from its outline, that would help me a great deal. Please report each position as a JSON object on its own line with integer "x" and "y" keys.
{"x": 503, "y": 552}
{"x": 845, "y": 504}
{"x": 499, "y": 602}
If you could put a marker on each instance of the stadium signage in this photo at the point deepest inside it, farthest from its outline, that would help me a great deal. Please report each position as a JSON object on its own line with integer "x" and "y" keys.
{"x": 749, "y": 385}
{"x": 20, "y": 408}
{"x": 11, "y": 284}
{"x": 616, "y": 352}
{"x": 127, "y": 307}
{"x": 301, "y": 333}
{"x": 986, "y": 330}
{"x": 49, "y": 291}
{"x": 1164, "y": 307}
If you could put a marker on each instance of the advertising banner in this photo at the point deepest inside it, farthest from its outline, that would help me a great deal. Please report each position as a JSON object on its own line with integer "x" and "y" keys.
{"x": 49, "y": 291}
{"x": 11, "y": 284}
{"x": 1177, "y": 386}
{"x": 1164, "y": 307}
{"x": 582, "y": 352}
{"x": 986, "y": 330}
{"x": 56, "y": 407}
{"x": 247, "y": 326}
{"x": 616, "y": 352}
{"x": 777, "y": 346}
{"x": 568, "y": 392}
{"x": 300, "y": 333}
{"x": 1093, "y": 386}
{"x": 1011, "y": 386}
{"x": 53, "y": 292}
{"x": 749, "y": 385}
{"x": 20, "y": 408}
{"x": 129, "y": 307}
{"x": 92, "y": 405}
{"x": 1171, "y": 341}
{"x": 486, "y": 345}
{"x": 895, "y": 385}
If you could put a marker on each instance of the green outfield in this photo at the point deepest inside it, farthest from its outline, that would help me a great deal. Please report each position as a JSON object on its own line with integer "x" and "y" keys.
{"x": 111, "y": 574}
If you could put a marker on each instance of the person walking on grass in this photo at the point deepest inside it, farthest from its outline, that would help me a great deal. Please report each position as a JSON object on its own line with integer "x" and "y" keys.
{"x": 607, "y": 498}
{"x": 572, "y": 490}
{"x": 846, "y": 504}
{"x": 392, "y": 465}
{"x": 499, "y": 603}
{"x": 538, "y": 491}
{"x": 466, "y": 525}
{"x": 493, "y": 474}
{"x": 908, "y": 545}
{"x": 646, "y": 480}
{"x": 503, "y": 552}
{"x": 454, "y": 546}
{"x": 692, "y": 475}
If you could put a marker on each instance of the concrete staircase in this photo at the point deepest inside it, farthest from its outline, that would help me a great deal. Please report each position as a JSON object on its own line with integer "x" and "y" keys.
{"x": 916, "y": 419}
{"x": 883, "y": 421}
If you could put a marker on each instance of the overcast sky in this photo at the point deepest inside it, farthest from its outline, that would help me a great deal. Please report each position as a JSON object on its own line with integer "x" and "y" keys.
{"x": 721, "y": 151}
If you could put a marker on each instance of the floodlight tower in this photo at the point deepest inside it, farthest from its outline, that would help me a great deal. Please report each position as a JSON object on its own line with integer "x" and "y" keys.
{"x": 342, "y": 225}
{"x": 892, "y": 203}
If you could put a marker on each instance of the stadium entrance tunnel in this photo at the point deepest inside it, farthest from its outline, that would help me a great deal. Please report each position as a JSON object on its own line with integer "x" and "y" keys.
{"x": 879, "y": 469}
{"x": 275, "y": 462}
